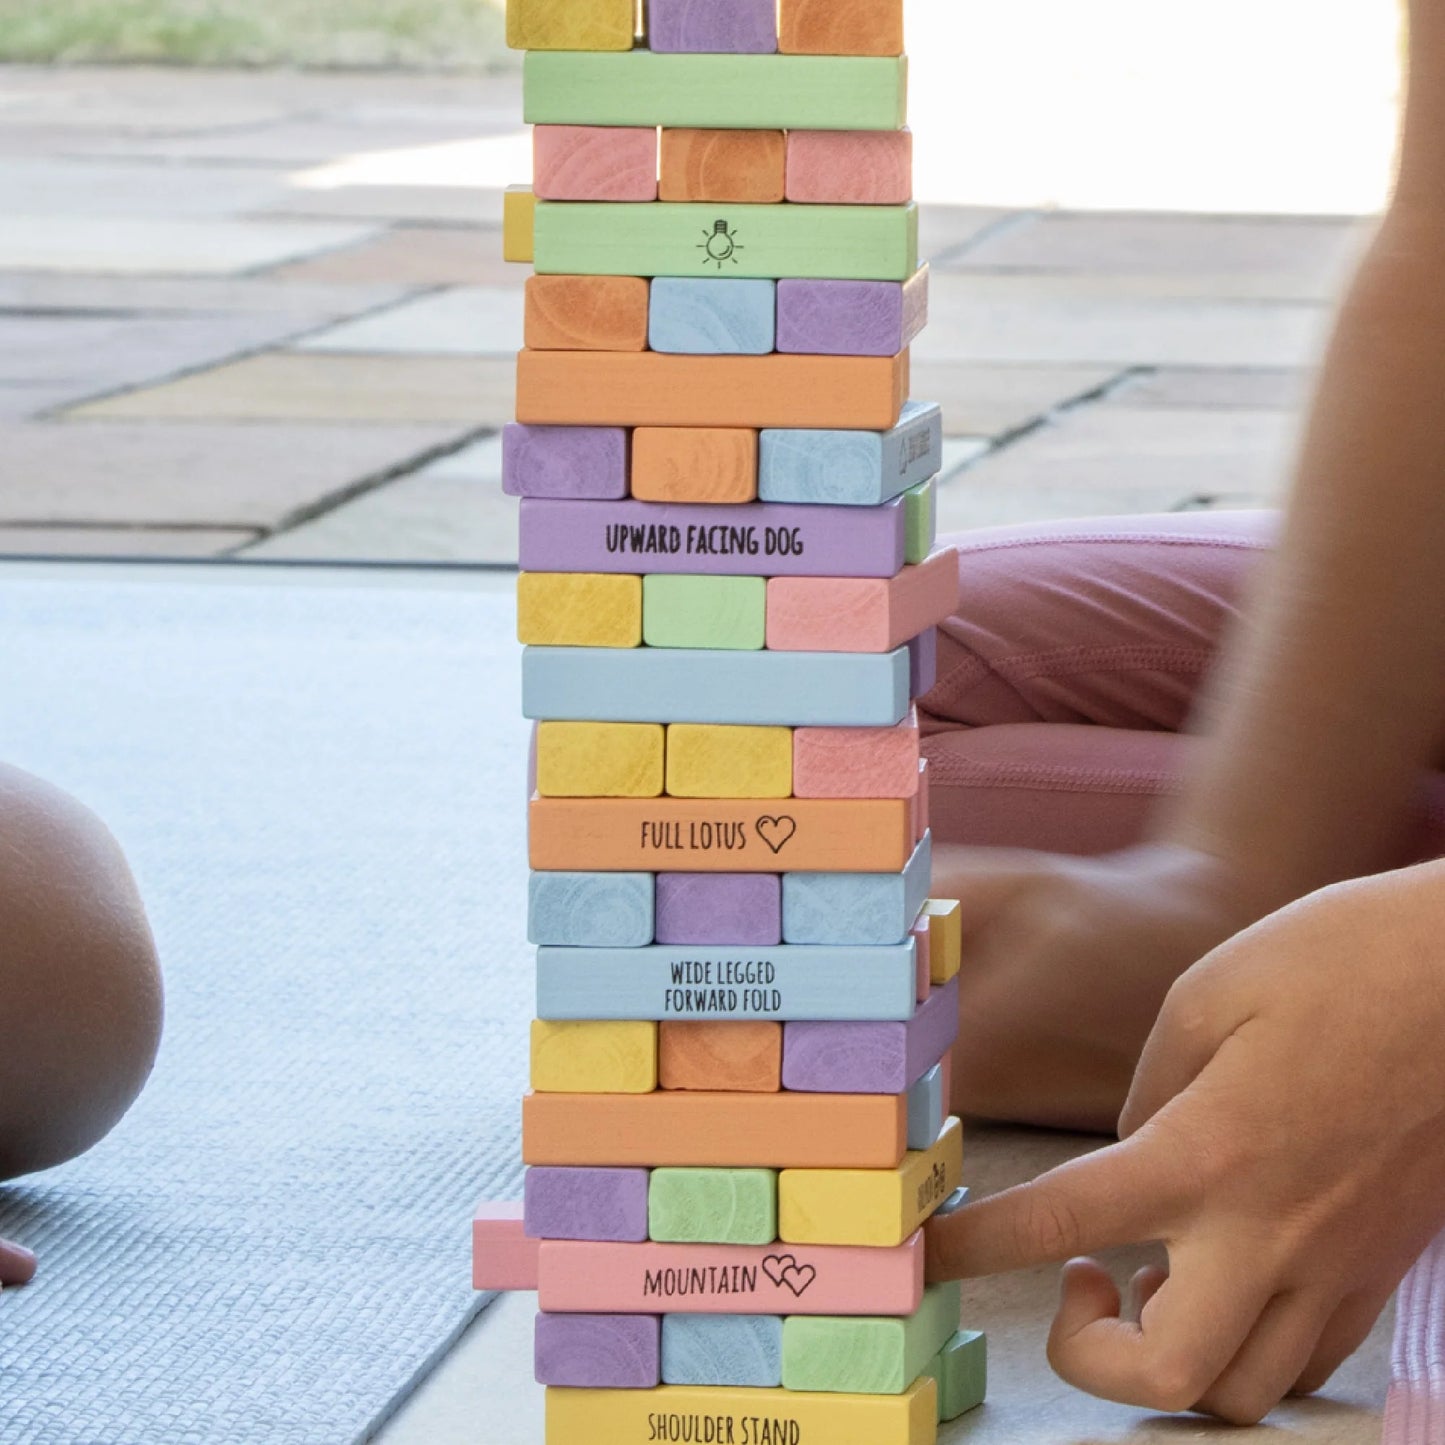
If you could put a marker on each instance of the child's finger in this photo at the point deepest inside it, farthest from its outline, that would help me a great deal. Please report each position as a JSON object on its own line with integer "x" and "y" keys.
{"x": 1278, "y": 1349}
{"x": 1145, "y": 1284}
{"x": 17, "y": 1264}
{"x": 1344, "y": 1333}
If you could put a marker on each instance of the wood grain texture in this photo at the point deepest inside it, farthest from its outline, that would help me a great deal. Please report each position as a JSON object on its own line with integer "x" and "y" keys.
{"x": 612, "y": 1056}
{"x": 570, "y": 24}
{"x": 573, "y": 463}
{"x": 735, "y": 908}
{"x": 594, "y": 163}
{"x": 712, "y": 465}
{"x": 851, "y": 318}
{"x": 579, "y": 609}
{"x": 850, "y": 167}
{"x": 519, "y": 214}
{"x": 857, "y": 762}
{"x": 739, "y": 1350}
{"x": 603, "y": 1352}
{"x": 716, "y": 27}
{"x": 590, "y": 910}
{"x": 744, "y": 166}
{"x": 867, "y": 908}
{"x": 731, "y": 1057}
{"x": 713, "y": 1206}
{"x": 600, "y": 760}
{"x": 840, "y": 27}
{"x": 960, "y": 1370}
{"x": 586, "y": 313}
{"x": 730, "y": 762}
{"x": 714, "y": 316}
{"x": 601, "y": 1204}
{"x": 721, "y": 614}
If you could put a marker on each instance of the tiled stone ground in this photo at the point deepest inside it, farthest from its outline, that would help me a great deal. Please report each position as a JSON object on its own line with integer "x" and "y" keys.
{"x": 266, "y": 316}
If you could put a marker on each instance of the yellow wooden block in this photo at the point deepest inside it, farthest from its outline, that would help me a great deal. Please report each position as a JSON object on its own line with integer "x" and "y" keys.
{"x": 599, "y": 760}
{"x": 705, "y": 761}
{"x": 945, "y": 937}
{"x": 579, "y": 609}
{"x": 870, "y": 1206}
{"x": 519, "y": 214}
{"x": 594, "y": 1058}
{"x": 723, "y": 1414}
{"x": 570, "y": 24}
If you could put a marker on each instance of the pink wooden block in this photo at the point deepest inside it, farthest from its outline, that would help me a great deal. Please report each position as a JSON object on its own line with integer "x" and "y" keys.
{"x": 861, "y": 614}
{"x": 922, "y": 936}
{"x": 850, "y": 167}
{"x": 502, "y": 1255}
{"x": 594, "y": 163}
{"x": 856, "y": 762}
{"x": 723, "y": 1279}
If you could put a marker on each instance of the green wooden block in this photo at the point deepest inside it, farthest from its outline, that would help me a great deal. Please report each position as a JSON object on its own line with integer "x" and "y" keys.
{"x": 713, "y": 1206}
{"x": 866, "y": 1355}
{"x": 920, "y": 527}
{"x": 657, "y": 238}
{"x": 715, "y": 613}
{"x": 960, "y": 1370}
{"x": 724, "y": 92}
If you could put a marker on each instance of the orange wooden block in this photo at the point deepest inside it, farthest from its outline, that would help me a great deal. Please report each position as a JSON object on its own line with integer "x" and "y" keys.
{"x": 720, "y": 835}
{"x": 840, "y": 27}
{"x": 594, "y": 163}
{"x": 857, "y": 762}
{"x": 694, "y": 464}
{"x": 747, "y": 166}
{"x": 589, "y": 388}
{"x": 722, "y": 1131}
{"x": 587, "y": 313}
{"x": 850, "y": 167}
{"x": 726, "y": 1057}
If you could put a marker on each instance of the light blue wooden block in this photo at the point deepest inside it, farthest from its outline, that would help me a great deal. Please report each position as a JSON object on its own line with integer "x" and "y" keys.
{"x": 590, "y": 910}
{"x": 859, "y": 908}
{"x": 851, "y": 468}
{"x": 927, "y": 1109}
{"x": 665, "y": 983}
{"x": 656, "y": 684}
{"x": 705, "y": 317}
{"x": 722, "y": 1350}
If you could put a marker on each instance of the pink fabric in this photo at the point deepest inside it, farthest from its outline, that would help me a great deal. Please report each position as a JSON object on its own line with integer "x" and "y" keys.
{"x": 1415, "y": 1406}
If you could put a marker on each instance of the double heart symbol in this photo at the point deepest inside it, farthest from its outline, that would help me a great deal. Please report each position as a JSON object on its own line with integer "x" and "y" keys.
{"x": 784, "y": 1269}
{"x": 775, "y": 832}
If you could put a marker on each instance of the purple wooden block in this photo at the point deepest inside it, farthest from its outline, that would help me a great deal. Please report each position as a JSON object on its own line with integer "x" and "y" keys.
{"x": 851, "y": 318}
{"x": 720, "y": 908}
{"x": 870, "y": 1058}
{"x": 607, "y": 1204}
{"x": 719, "y": 27}
{"x": 751, "y": 539}
{"x": 923, "y": 663}
{"x": 599, "y": 1352}
{"x": 567, "y": 462}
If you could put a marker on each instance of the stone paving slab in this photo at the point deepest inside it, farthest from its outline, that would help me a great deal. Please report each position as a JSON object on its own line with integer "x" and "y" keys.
{"x": 57, "y": 186}
{"x": 945, "y": 230}
{"x": 106, "y": 474}
{"x": 21, "y": 400}
{"x": 458, "y": 205}
{"x": 1264, "y": 388}
{"x": 308, "y": 303}
{"x": 982, "y": 400}
{"x": 412, "y": 256}
{"x": 466, "y": 321}
{"x": 121, "y": 542}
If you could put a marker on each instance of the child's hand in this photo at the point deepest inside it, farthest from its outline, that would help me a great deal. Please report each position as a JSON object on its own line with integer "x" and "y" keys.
{"x": 1285, "y": 1138}
{"x": 17, "y": 1264}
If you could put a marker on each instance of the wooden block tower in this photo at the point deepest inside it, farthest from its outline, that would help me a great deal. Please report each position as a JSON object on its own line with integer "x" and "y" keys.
{"x": 746, "y": 1000}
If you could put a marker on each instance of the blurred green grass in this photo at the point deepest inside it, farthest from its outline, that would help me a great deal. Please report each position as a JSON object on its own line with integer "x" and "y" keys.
{"x": 407, "y": 34}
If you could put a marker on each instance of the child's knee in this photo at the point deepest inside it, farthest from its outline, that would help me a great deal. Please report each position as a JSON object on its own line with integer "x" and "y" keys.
{"x": 80, "y": 989}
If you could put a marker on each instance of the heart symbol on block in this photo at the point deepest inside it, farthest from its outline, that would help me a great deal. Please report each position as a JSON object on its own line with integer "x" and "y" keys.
{"x": 785, "y": 1271}
{"x": 776, "y": 832}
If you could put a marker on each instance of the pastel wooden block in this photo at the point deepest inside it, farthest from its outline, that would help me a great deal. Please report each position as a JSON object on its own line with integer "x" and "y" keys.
{"x": 947, "y": 1064}
{"x": 823, "y": 1131}
{"x": 850, "y": 167}
{"x": 594, "y": 163}
{"x": 569, "y": 24}
{"x": 714, "y": 465}
{"x": 720, "y": 614}
{"x": 629, "y": 1417}
{"x": 734, "y": 541}
{"x": 720, "y": 1057}
{"x": 737, "y": 1350}
{"x": 713, "y": 1206}
{"x": 927, "y": 1106}
{"x": 945, "y": 924}
{"x": 923, "y": 661}
{"x": 713, "y": 316}
{"x": 503, "y": 1257}
{"x": 603, "y": 1352}
{"x": 840, "y": 27}
{"x": 710, "y": 982}
{"x": 736, "y": 908}
{"x": 590, "y": 910}
{"x": 608, "y": 1204}
{"x": 571, "y": 463}
{"x": 716, "y": 239}
{"x": 922, "y": 938}
{"x": 921, "y": 800}
{"x": 579, "y": 609}
{"x": 766, "y": 689}
{"x": 725, "y": 835}
{"x": 868, "y": 908}
{"x": 875, "y": 1355}
{"x": 724, "y": 92}
{"x": 851, "y": 318}
{"x": 861, "y": 614}
{"x": 730, "y": 1279}
{"x": 866, "y": 1206}
{"x": 586, "y": 313}
{"x": 594, "y": 1057}
{"x": 729, "y": 762}
{"x": 720, "y": 27}
{"x": 922, "y": 533}
{"x": 857, "y": 762}
{"x": 851, "y": 468}
{"x": 960, "y": 1371}
{"x": 519, "y": 216}
{"x": 872, "y": 1057}
{"x": 739, "y": 166}
{"x": 600, "y": 760}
